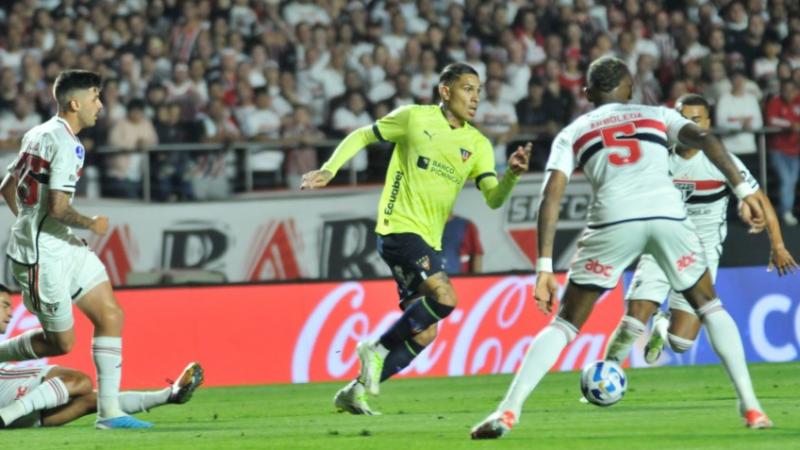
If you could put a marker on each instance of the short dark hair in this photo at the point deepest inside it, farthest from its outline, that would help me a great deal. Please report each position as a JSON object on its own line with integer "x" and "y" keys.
{"x": 606, "y": 73}
{"x": 71, "y": 80}
{"x": 692, "y": 100}
{"x": 136, "y": 103}
{"x": 4, "y": 289}
{"x": 452, "y": 72}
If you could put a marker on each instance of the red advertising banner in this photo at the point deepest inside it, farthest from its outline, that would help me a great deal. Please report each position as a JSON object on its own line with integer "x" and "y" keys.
{"x": 297, "y": 333}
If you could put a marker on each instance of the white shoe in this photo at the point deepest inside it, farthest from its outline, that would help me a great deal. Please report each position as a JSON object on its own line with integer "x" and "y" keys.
{"x": 497, "y": 425}
{"x": 789, "y": 219}
{"x": 371, "y": 367}
{"x": 189, "y": 380}
{"x": 353, "y": 399}
{"x": 654, "y": 347}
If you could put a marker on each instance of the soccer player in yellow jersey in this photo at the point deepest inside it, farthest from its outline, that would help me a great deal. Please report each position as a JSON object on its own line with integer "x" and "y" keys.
{"x": 436, "y": 151}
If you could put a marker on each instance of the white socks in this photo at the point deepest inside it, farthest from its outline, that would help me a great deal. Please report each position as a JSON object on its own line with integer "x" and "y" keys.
{"x": 623, "y": 338}
{"x": 107, "y": 352}
{"x": 727, "y": 343}
{"x": 541, "y": 356}
{"x": 50, "y": 394}
{"x": 133, "y": 402}
{"x": 19, "y": 348}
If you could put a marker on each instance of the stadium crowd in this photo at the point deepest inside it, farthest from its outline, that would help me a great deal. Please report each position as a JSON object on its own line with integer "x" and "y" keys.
{"x": 296, "y": 74}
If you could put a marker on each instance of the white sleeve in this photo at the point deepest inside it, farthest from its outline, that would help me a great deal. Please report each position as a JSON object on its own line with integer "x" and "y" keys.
{"x": 674, "y": 122}
{"x": 64, "y": 167}
{"x": 561, "y": 157}
{"x": 744, "y": 172}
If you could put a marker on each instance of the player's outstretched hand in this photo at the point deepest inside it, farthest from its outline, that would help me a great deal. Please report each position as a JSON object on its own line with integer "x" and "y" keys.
{"x": 519, "y": 160}
{"x": 99, "y": 225}
{"x": 546, "y": 291}
{"x": 316, "y": 179}
{"x": 781, "y": 259}
{"x": 747, "y": 217}
{"x": 756, "y": 217}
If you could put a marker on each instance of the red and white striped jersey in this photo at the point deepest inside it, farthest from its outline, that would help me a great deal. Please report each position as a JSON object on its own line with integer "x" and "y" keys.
{"x": 51, "y": 157}
{"x": 705, "y": 191}
{"x": 624, "y": 152}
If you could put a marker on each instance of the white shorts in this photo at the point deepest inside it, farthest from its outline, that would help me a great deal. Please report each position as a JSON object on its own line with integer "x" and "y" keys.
{"x": 604, "y": 253}
{"x": 650, "y": 283}
{"x": 15, "y": 382}
{"x": 50, "y": 287}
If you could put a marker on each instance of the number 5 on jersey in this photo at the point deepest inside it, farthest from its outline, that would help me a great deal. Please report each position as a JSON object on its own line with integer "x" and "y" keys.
{"x": 622, "y": 136}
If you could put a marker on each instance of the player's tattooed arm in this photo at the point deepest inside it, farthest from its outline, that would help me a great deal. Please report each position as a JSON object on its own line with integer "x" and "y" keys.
{"x": 9, "y": 190}
{"x": 555, "y": 184}
{"x": 60, "y": 209}
{"x": 695, "y": 137}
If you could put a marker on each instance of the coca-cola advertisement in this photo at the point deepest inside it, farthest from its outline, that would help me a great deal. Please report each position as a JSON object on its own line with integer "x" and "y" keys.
{"x": 298, "y": 333}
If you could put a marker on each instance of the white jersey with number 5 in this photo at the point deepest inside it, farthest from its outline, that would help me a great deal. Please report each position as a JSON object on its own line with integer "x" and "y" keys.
{"x": 624, "y": 152}
{"x": 51, "y": 157}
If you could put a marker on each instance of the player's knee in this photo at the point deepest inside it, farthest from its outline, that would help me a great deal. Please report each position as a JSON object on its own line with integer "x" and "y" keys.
{"x": 679, "y": 344}
{"x": 426, "y": 336}
{"x": 441, "y": 291}
{"x": 113, "y": 315}
{"x": 77, "y": 383}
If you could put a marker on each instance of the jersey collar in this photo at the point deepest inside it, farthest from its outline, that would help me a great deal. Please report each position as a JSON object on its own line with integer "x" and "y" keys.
{"x": 69, "y": 129}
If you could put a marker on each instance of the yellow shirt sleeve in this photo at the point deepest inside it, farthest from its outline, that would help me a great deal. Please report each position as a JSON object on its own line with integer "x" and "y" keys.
{"x": 483, "y": 172}
{"x": 393, "y": 127}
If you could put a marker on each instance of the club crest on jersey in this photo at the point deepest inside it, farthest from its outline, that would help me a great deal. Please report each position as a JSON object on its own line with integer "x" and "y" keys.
{"x": 465, "y": 154}
{"x": 686, "y": 188}
{"x": 79, "y": 151}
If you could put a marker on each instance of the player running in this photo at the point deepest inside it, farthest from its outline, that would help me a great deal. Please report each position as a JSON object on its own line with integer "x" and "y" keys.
{"x": 436, "y": 151}
{"x": 53, "y": 395}
{"x": 623, "y": 150}
{"x": 54, "y": 267}
{"x": 706, "y": 195}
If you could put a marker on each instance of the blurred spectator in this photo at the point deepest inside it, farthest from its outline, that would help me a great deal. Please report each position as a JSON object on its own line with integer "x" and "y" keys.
{"x": 299, "y": 137}
{"x": 260, "y": 122}
{"x": 646, "y": 87}
{"x": 123, "y": 174}
{"x": 169, "y": 170}
{"x": 14, "y": 124}
{"x": 218, "y": 124}
{"x": 738, "y": 112}
{"x": 783, "y": 111}
{"x": 536, "y": 116}
{"x": 347, "y": 118}
{"x": 425, "y": 81}
{"x": 497, "y": 119}
{"x": 461, "y": 246}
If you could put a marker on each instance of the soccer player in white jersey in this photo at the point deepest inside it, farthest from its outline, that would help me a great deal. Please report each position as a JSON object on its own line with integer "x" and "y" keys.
{"x": 52, "y": 395}
{"x": 53, "y": 267}
{"x": 623, "y": 151}
{"x": 706, "y": 194}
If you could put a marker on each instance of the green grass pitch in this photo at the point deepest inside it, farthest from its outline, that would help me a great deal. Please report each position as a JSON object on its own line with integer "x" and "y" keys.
{"x": 675, "y": 407}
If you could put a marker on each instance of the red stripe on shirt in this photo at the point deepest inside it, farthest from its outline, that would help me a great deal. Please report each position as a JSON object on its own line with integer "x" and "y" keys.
{"x": 641, "y": 123}
{"x": 703, "y": 185}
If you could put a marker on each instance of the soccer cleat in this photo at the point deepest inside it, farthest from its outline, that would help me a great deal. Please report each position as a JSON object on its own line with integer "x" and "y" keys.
{"x": 353, "y": 399}
{"x": 186, "y": 384}
{"x": 495, "y": 426}
{"x": 756, "y": 420}
{"x": 122, "y": 422}
{"x": 371, "y": 367}
{"x": 654, "y": 347}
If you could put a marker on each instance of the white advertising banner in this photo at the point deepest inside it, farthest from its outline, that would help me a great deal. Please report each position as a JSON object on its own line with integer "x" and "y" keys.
{"x": 326, "y": 234}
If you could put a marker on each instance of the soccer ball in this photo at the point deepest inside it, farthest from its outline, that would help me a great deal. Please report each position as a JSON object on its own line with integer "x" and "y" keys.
{"x": 603, "y": 383}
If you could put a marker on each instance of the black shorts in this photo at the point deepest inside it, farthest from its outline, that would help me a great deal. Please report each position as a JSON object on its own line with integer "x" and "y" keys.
{"x": 411, "y": 259}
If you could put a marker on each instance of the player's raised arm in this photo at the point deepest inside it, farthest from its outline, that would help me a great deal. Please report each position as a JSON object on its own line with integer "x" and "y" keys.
{"x": 496, "y": 193}
{"x": 695, "y": 137}
{"x": 9, "y": 190}
{"x": 390, "y": 128}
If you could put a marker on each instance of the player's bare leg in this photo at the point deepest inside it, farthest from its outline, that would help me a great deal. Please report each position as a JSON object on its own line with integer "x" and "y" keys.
{"x": 727, "y": 343}
{"x": 542, "y": 354}
{"x": 53, "y": 393}
{"x": 102, "y": 309}
{"x": 630, "y": 328}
